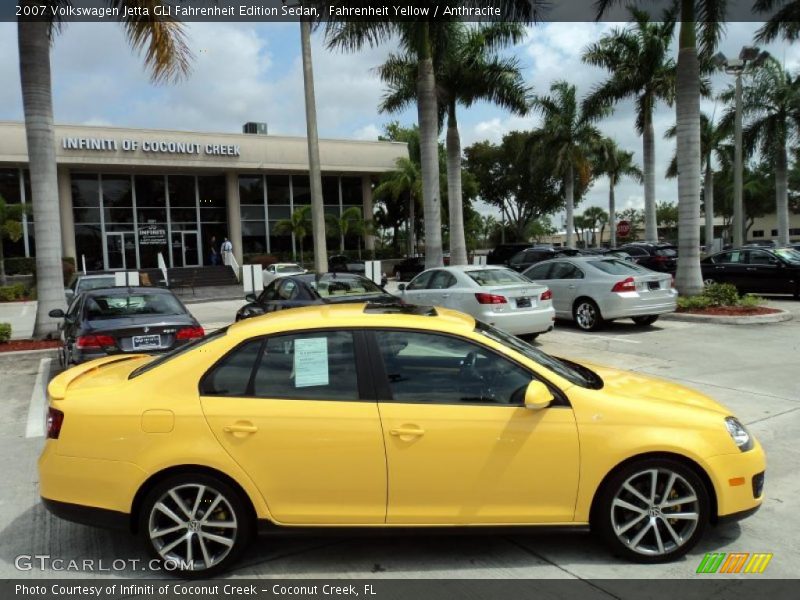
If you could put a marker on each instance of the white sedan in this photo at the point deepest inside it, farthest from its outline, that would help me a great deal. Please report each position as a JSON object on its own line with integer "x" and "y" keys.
{"x": 492, "y": 294}
{"x": 276, "y": 270}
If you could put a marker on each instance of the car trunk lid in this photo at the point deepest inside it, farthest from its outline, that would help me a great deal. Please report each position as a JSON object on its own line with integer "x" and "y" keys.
{"x": 98, "y": 372}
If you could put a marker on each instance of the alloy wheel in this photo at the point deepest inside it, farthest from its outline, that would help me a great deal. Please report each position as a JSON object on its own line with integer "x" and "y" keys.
{"x": 586, "y": 315}
{"x": 193, "y": 526}
{"x": 655, "y": 512}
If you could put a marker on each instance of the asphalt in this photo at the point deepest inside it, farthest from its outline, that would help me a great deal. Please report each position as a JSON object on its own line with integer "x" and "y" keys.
{"x": 751, "y": 368}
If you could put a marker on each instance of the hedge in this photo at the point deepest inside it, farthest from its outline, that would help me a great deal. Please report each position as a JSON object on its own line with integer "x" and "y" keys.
{"x": 5, "y": 332}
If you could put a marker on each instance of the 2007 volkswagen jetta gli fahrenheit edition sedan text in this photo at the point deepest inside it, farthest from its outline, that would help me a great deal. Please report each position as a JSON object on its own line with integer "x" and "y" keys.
{"x": 385, "y": 416}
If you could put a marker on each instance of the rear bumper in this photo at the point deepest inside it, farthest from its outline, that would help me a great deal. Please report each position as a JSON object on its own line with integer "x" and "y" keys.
{"x": 522, "y": 323}
{"x": 634, "y": 304}
{"x": 88, "y": 515}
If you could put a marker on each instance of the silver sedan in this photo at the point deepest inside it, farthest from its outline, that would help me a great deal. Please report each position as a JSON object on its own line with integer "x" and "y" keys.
{"x": 591, "y": 290}
{"x": 495, "y": 295}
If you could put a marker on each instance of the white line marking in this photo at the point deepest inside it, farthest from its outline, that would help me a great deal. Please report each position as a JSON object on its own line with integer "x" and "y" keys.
{"x": 36, "y": 409}
{"x": 615, "y": 339}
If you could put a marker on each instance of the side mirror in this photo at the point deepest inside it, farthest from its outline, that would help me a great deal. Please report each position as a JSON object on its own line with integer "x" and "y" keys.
{"x": 56, "y": 313}
{"x": 250, "y": 297}
{"x": 401, "y": 287}
{"x": 69, "y": 293}
{"x": 537, "y": 396}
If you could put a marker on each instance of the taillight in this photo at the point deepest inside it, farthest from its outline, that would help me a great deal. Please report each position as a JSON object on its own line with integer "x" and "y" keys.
{"x": 55, "y": 418}
{"x": 94, "y": 341}
{"x": 190, "y": 333}
{"x": 484, "y": 298}
{"x": 626, "y": 285}
{"x": 661, "y": 259}
{"x": 546, "y": 295}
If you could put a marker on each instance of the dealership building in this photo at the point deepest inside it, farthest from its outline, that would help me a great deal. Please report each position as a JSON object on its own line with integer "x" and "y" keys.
{"x": 127, "y": 195}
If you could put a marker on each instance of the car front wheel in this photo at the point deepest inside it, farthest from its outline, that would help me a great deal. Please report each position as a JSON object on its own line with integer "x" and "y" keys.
{"x": 651, "y": 511}
{"x": 197, "y": 525}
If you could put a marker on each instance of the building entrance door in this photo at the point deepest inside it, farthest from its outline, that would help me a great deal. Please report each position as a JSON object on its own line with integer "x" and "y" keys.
{"x": 184, "y": 249}
{"x": 120, "y": 251}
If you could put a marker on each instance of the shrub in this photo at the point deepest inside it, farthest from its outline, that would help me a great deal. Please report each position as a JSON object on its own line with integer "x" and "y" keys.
{"x": 11, "y": 293}
{"x": 721, "y": 294}
{"x": 693, "y": 302}
{"x": 5, "y": 332}
{"x": 20, "y": 265}
{"x": 751, "y": 301}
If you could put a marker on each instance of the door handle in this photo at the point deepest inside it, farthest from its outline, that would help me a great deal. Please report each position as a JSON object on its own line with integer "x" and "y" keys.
{"x": 240, "y": 428}
{"x": 572, "y": 287}
{"x": 751, "y": 268}
{"x": 410, "y": 431}
{"x": 445, "y": 295}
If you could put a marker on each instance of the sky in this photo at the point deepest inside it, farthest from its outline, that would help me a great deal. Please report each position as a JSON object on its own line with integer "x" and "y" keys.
{"x": 252, "y": 72}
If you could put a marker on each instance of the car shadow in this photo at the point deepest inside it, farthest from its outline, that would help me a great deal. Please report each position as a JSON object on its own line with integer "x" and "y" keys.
{"x": 616, "y": 327}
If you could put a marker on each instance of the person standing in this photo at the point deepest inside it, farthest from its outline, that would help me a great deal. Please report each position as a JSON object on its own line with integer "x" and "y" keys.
{"x": 213, "y": 252}
{"x": 227, "y": 252}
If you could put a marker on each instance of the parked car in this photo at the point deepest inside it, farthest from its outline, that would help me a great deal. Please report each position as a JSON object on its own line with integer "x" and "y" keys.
{"x": 332, "y": 416}
{"x": 656, "y": 257}
{"x": 123, "y": 320}
{"x": 82, "y": 283}
{"x": 339, "y": 263}
{"x": 502, "y": 253}
{"x": 281, "y": 270}
{"x": 292, "y": 291}
{"x": 408, "y": 268}
{"x": 762, "y": 244}
{"x": 496, "y": 295}
{"x": 530, "y": 256}
{"x": 757, "y": 270}
{"x": 612, "y": 253}
{"x": 592, "y": 290}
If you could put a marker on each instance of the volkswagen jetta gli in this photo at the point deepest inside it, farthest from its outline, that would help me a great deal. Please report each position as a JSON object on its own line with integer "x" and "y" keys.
{"x": 385, "y": 416}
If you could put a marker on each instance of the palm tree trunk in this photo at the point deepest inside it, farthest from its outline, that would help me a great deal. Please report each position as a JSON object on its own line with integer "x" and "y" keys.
{"x": 569, "y": 192}
{"x": 781, "y": 195}
{"x": 612, "y": 217}
{"x": 412, "y": 242}
{"x": 37, "y": 100}
{"x": 649, "y": 153}
{"x": 708, "y": 197}
{"x": 688, "y": 278}
{"x": 429, "y": 153}
{"x": 458, "y": 243}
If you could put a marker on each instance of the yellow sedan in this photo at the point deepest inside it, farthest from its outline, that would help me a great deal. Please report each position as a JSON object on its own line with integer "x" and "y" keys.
{"x": 385, "y": 416}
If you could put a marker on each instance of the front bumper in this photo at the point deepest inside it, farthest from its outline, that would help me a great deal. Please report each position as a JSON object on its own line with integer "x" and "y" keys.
{"x": 739, "y": 482}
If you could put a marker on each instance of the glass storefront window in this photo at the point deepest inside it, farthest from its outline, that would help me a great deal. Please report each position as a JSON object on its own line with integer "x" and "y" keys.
{"x": 251, "y": 189}
{"x": 89, "y": 244}
{"x": 277, "y": 189}
{"x": 254, "y": 237}
{"x": 151, "y": 215}
{"x": 150, "y": 192}
{"x": 301, "y": 190}
{"x": 351, "y": 190}
{"x": 117, "y": 192}
{"x": 10, "y": 192}
{"x": 85, "y": 191}
{"x": 118, "y": 215}
{"x": 181, "y": 192}
{"x": 252, "y": 213}
{"x": 279, "y": 243}
{"x": 185, "y": 215}
{"x": 330, "y": 191}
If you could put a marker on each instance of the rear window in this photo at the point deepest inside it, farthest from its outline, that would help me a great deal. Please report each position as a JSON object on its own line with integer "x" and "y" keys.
{"x": 328, "y": 287}
{"x": 95, "y": 283}
{"x": 789, "y": 255}
{"x": 666, "y": 252}
{"x": 116, "y": 306}
{"x": 489, "y": 277}
{"x": 289, "y": 269}
{"x": 616, "y": 267}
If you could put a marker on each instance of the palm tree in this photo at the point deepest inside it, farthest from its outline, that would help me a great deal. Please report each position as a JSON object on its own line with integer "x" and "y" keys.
{"x": 10, "y": 228}
{"x": 468, "y": 69}
{"x": 615, "y": 163}
{"x": 713, "y": 139}
{"x": 298, "y": 225}
{"x": 350, "y": 221}
{"x": 594, "y": 216}
{"x": 568, "y": 131}
{"x": 771, "y": 105}
{"x": 417, "y": 38}
{"x": 784, "y": 22}
{"x": 166, "y": 56}
{"x": 703, "y": 19}
{"x": 641, "y": 68}
{"x": 405, "y": 180}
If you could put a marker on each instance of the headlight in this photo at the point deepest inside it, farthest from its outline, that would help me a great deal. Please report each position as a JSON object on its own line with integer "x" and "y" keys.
{"x": 739, "y": 434}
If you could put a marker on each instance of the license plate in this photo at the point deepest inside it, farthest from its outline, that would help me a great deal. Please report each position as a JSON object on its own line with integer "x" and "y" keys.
{"x": 654, "y": 285}
{"x": 524, "y": 303}
{"x": 146, "y": 342}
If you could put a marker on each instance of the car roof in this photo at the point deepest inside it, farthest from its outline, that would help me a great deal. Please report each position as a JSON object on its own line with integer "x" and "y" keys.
{"x": 467, "y": 268}
{"x": 125, "y": 291}
{"x": 351, "y": 315}
{"x": 96, "y": 276}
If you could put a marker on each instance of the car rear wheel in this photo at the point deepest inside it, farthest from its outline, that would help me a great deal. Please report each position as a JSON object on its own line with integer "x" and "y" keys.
{"x": 645, "y": 321}
{"x": 196, "y": 524}
{"x": 652, "y": 511}
{"x": 709, "y": 281}
{"x": 587, "y": 315}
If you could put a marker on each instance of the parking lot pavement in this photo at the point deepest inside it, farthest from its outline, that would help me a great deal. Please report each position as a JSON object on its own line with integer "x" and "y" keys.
{"x": 752, "y": 369}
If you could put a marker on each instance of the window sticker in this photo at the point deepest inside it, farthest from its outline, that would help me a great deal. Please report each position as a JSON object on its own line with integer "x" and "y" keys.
{"x": 311, "y": 362}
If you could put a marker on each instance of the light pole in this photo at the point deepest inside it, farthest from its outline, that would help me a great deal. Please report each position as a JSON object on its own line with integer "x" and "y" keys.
{"x": 736, "y": 67}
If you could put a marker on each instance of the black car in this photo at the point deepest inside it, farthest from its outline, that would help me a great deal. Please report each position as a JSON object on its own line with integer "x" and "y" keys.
{"x": 530, "y": 256}
{"x": 408, "y": 268}
{"x": 757, "y": 270}
{"x": 123, "y": 320}
{"x": 656, "y": 257}
{"x": 339, "y": 263}
{"x": 502, "y": 253}
{"x": 312, "y": 288}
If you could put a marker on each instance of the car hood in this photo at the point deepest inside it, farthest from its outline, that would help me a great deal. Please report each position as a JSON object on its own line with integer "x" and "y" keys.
{"x": 630, "y": 385}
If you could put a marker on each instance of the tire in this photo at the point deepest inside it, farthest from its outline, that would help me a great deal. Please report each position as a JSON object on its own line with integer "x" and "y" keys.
{"x": 708, "y": 281}
{"x": 645, "y": 321}
{"x": 198, "y": 555}
{"x": 636, "y": 526}
{"x": 587, "y": 315}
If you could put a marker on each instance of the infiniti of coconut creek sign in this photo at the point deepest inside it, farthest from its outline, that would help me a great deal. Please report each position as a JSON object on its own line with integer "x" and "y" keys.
{"x": 148, "y": 146}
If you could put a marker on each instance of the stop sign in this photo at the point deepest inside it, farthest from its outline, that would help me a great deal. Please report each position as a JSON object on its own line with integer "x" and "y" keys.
{"x": 623, "y": 228}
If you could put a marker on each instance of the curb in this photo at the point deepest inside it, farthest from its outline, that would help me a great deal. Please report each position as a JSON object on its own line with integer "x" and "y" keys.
{"x": 28, "y": 352}
{"x": 779, "y": 317}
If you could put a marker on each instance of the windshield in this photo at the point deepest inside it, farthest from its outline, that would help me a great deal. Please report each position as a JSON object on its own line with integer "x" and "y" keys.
{"x": 289, "y": 269}
{"x": 666, "y": 252}
{"x": 116, "y": 306}
{"x": 94, "y": 283}
{"x": 612, "y": 266}
{"x": 572, "y": 372}
{"x": 178, "y": 351}
{"x": 488, "y": 277}
{"x": 327, "y": 286}
{"x": 789, "y": 255}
